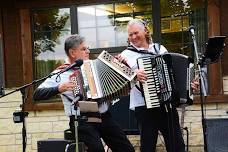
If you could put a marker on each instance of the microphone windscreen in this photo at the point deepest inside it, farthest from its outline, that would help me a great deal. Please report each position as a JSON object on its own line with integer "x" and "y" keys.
{"x": 191, "y": 29}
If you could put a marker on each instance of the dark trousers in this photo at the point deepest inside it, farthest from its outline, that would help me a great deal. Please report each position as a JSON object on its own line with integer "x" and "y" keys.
{"x": 150, "y": 121}
{"x": 108, "y": 130}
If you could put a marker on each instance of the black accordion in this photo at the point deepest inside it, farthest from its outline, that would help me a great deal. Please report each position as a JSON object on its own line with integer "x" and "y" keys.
{"x": 169, "y": 77}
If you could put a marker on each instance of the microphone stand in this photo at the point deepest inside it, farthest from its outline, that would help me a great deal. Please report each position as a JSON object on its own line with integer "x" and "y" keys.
{"x": 77, "y": 113}
{"x": 23, "y": 114}
{"x": 77, "y": 118}
{"x": 202, "y": 90}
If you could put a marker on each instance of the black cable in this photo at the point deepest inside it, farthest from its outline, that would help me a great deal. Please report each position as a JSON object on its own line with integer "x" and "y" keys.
{"x": 58, "y": 78}
{"x": 169, "y": 129}
{"x": 172, "y": 128}
{"x": 187, "y": 134}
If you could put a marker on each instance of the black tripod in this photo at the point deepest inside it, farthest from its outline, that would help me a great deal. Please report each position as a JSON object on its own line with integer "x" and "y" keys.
{"x": 213, "y": 51}
{"x": 19, "y": 116}
{"x": 77, "y": 118}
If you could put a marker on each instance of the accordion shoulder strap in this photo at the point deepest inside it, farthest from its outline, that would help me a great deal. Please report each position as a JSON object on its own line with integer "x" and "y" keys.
{"x": 67, "y": 97}
{"x": 63, "y": 66}
{"x": 132, "y": 48}
{"x": 156, "y": 49}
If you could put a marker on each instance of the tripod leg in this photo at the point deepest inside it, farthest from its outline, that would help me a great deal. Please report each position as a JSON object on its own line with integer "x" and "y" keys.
{"x": 76, "y": 133}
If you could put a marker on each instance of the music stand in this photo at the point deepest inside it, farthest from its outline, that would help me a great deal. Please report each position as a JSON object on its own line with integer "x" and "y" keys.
{"x": 214, "y": 50}
{"x": 212, "y": 54}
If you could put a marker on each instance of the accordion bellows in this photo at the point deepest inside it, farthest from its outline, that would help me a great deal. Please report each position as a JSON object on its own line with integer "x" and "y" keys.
{"x": 106, "y": 78}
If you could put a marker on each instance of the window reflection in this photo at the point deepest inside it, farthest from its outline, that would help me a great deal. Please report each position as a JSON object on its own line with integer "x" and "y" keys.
{"x": 104, "y": 26}
{"x": 106, "y": 36}
{"x": 176, "y": 17}
{"x": 105, "y": 15}
{"x": 50, "y": 28}
{"x": 90, "y": 35}
{"x": 86, "y": 17}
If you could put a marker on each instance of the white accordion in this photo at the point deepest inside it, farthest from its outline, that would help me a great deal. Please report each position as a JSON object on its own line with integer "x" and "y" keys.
{"x": 104, "y": 78}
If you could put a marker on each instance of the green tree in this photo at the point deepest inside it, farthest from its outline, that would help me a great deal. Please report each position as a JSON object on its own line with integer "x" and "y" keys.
{"x": 48, "y": 25}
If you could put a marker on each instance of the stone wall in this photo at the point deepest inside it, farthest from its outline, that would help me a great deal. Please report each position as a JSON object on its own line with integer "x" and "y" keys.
{"x": 51, "y": 124}
{"x": 39, "y": 125}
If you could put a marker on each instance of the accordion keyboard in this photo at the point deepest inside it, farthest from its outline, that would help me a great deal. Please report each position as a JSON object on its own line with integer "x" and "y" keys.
{"x": 150, "y": 87}
{"x": 169, "y": 77}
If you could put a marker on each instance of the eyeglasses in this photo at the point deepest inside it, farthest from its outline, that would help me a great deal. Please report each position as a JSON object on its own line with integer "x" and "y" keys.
{"x": 84, "y": 49}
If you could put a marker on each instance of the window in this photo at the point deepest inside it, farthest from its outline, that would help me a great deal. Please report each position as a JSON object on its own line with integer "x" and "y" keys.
{"x": 104, "y": 26}
{"x": 176, "y": 17}
{"x": 50, "y": 28}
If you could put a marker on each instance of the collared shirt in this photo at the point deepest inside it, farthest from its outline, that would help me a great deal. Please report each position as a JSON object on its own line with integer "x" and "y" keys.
{"x": 136, "y": 98}
{"x": 55, "y": 80}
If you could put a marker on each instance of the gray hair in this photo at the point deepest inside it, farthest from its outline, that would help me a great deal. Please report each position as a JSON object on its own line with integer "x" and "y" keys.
{"x": 142, "y": 24}
{"x": 73, "y": 41}
{"x": 137, "y": 22}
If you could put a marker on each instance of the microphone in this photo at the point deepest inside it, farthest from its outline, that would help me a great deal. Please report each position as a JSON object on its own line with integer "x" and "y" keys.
{"x": 77, "y": 63}
{"x": 191, "y": 29}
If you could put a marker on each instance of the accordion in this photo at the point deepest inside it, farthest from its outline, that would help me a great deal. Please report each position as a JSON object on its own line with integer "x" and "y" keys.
{"x": 104, "y": 79}
{"x": 169, "y": 77}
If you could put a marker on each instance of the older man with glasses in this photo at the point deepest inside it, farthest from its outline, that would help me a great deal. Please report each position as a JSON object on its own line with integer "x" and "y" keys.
{"x": 89, "y": 132}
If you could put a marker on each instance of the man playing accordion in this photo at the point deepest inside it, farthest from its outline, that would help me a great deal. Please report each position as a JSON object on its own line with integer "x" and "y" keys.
{"x": 150, "y": 120}
{"x": 89, "y": 132}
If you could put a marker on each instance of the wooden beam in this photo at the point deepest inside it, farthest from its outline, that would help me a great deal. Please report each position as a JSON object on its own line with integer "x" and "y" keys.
{"x": 215, "y": 72}
{"x": 44, "y": 106}
{"x": 212, "y": 99}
